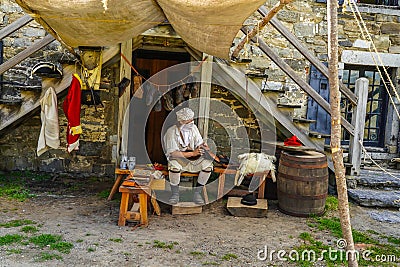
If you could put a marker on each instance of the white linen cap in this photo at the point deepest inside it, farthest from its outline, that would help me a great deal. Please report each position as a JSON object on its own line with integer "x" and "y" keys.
{"x": 184, "y": 114}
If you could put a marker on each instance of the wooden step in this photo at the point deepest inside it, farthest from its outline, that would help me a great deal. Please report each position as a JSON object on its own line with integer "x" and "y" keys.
{"x": 288, "y": 106}
{"x": 302, "y": 120}
{"x": 186, "y": 208}
{"x": 14, "y": 101}
{"x": 239, "y": 210}
{"x": 318, "y": 135}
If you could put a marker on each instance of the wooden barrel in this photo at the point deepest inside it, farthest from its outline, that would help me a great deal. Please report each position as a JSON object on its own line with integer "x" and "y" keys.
{"x": 302, "y": 183}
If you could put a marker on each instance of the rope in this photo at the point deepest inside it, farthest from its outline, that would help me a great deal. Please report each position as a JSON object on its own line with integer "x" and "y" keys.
{"x": 374, "y": 162}
{"x": 181, "y": 81}
{"x": 358, "y": 18}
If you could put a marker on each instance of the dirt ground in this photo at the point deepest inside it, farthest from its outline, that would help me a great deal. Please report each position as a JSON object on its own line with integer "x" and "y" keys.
{"x": 214, "y": 237}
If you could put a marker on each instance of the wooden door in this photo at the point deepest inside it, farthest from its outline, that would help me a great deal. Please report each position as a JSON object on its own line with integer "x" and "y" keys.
{"x": 154, "y": 125}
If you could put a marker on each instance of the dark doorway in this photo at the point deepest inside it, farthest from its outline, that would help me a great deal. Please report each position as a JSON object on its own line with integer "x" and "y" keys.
{"x": 149, "y": 63}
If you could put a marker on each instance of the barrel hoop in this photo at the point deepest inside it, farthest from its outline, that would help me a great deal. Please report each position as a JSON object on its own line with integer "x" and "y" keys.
{"x": 305, "y": 215}
{"x": 314, "y": 197}
{"x": 297, "y": 158}
{"x": 303, "y": 178}
{"x": 302, "y": 166}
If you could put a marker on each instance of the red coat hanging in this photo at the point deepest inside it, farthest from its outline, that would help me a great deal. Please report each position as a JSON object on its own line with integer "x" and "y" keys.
{"x": 72, "y": 110}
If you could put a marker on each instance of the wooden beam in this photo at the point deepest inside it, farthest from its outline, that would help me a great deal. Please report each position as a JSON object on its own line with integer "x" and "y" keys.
{"x": 205, "y": 93}
{"x": 358, "y": 121}
{"x": 36, "y": 46}
{"x": 307, "y": 54}
{"x": 260, "y": 25}
{"x": 298, "y": 80}
{"x": 19, "y": 23}
{"x": 124, "y": 100}
{"x": 26, "y": 111}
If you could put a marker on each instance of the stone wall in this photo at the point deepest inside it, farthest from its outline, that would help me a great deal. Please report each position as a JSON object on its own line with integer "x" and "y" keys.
{"x": 18, "y": 148}
{"x": 308, "y": 21}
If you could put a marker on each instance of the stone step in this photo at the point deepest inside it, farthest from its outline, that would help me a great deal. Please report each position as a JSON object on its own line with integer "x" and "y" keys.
{"x": 318, "y": 135}
{"x": 375, "y": 198}
{"x": 375, "y": 179}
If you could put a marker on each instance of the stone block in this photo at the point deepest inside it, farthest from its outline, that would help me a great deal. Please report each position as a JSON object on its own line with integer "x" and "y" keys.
{"x": 345, "y": 43}
{"x": 390, "y": 28}
{"x": 361, "y": 44}
{"x": 52, "y": 165}
{"x": 394, "y": 49}
{"x": 288, "y": 16}
{"x": 306, "y": 29}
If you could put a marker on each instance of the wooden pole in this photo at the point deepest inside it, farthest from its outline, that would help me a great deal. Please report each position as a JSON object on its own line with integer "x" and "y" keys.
{"x": 205, "y": 92}
{"x": 337, "y": 153}
{"x": 261, "y": 25}
{"x": 358, "y": 121}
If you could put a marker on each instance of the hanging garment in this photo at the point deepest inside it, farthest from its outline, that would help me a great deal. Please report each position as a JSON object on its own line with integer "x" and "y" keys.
{"x": 49, "y": 136}
{"x": 72, "y": 110}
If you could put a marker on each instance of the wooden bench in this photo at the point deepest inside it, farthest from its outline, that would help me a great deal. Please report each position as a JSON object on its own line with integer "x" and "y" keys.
{"x": 128, "y": 192}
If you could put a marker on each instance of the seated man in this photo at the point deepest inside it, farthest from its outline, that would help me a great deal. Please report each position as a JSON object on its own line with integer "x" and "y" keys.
{"x": 185, "y": 151}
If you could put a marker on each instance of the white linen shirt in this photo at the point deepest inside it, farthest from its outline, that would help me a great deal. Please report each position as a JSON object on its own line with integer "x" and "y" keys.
{"x": 173, "y": 140}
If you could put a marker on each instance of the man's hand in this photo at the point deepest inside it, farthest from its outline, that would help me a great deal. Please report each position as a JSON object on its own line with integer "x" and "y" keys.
{"x": 205, "y": 146}
{"x": 199, "y": 151}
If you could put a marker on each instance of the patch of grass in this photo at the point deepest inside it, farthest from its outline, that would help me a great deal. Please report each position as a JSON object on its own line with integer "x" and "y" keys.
{"x": 16, "y": 223}
{"x": 305, "y": 236}
{"x": 333, "y": 225}
{"x": 91, "y": 250}
{"x": 210, "y": 263}
{"x": 372, "y": 232}
{"x": 177, "y": 251}
{"x": 10, "y": 239}
{"x": 29, "y": 229}
{"x": 229, "y": 256}
{"x": 46, "y": 256}
{"x": 79, "y": 241}
{"x": 140, "y": 245}
{"x": 197, "y": 253}
{"x": 393, "y": 240}
{"x": 45, "y": 240}
{"x": 63, "y": 247}
{"x": 331, "y": 203}
{"x": 15, "y": 192}
{"x": 14, "y": 251}
{"x": 127, "y": 254}
{"x": 104, "y": 194}
{"x": 117, "y": 240}
{"x": 160, "y": 244}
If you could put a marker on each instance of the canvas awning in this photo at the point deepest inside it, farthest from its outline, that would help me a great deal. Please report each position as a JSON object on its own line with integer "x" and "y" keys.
{"x": 207, "y": 25}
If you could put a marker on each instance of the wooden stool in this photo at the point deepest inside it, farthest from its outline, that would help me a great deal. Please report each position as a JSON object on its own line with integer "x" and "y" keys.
{"x": 127, "y": 192}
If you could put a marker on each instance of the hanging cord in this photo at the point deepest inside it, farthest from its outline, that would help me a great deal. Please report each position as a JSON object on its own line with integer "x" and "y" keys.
{"x": 181, "y": 81}
{"x": 363, "y": 28}
{"x": 374, "y": 162}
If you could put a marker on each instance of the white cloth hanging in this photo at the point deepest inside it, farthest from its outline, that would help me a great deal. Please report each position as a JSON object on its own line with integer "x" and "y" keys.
{"x": 49, "y": 133}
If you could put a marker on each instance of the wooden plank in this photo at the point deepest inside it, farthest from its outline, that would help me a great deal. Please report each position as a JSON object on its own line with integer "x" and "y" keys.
{"x": 26, "y": 111}
{"x": 298, "y": 80}
{"x": 205, "y": 92}
{"x": 306, "y": 53}
{"x": 36, "y": 46}
{"x": 123, "y": 208}
{"x": 114, "y": 189}
{"x": 143, "y": 209}
{"x": 19, "y": 23}
{"x": 123, "y": 104}
{"x": 183, "y": 208}
{"x": 358, "y": 121}
{"x": 239, "y": 210}
{"x": 221, "y": 185}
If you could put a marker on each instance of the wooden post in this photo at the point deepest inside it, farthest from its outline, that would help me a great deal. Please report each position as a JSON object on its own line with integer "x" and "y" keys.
{"x": 358, "y": 121}
{"x": 125, "y": 71}
{"x": 337, "y": 152}
{"x": 260, "y": 25}
{"x": 205, "y": 92}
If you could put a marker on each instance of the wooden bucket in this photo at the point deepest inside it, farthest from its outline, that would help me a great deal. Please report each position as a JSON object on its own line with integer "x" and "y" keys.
{"x": 302, "y": 183}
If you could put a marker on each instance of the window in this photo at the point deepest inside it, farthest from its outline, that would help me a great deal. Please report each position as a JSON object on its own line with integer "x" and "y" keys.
{"x": 375, "y": 120}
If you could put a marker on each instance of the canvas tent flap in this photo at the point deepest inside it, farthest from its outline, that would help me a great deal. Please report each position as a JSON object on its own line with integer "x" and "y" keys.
{"x": 207, "y": 25}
